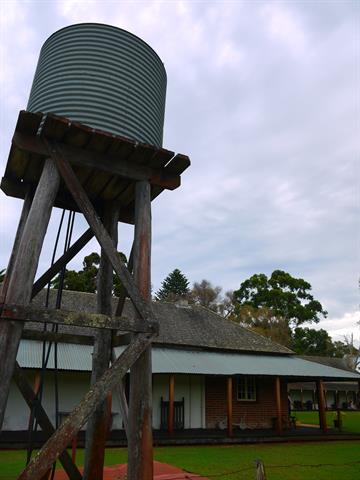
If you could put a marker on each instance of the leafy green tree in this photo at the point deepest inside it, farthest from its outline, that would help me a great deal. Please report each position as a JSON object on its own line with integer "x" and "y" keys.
{"x": 174, "y": 287}
{"x": 85, "y": 280}
{"x": 286, "y": 296}
{"x": 308, "y": 341}
{"x": 205, "y": 294}
{"x": 118, "y": 287}
{"x": 262, "y": 321}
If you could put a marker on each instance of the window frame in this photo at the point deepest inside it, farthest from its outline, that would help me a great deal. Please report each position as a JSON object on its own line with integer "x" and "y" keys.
{"x": 247, "y": 388}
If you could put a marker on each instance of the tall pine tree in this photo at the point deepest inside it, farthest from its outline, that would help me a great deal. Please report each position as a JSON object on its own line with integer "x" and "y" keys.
{"x": 174, "y": 287}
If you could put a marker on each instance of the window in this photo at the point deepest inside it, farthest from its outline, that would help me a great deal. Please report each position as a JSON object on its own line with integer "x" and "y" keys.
{"x": 246, "y": 388}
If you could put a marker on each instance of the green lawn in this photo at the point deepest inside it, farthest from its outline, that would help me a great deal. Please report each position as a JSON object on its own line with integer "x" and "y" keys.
{"x": 282, "y": 461}
{"x": 350, "y": 420}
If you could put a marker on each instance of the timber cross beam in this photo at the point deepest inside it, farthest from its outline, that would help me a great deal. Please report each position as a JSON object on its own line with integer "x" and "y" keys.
{"x": 105, "y": 162}
{"x": 77, "y": 319}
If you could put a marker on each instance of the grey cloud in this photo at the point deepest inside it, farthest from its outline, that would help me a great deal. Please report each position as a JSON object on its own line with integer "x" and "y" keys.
{"x": 269, "y": 122}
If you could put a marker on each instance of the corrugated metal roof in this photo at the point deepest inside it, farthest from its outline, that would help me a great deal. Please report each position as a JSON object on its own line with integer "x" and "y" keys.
{"x": 168, "y": 360}
{"x": 218, "y": 363}
{"x": 70, "y": 357}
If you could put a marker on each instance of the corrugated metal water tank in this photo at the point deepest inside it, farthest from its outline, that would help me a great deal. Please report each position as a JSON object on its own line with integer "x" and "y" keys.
{"x": 104, "y": 77}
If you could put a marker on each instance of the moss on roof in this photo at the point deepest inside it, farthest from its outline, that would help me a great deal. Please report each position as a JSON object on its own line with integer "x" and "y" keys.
{"x": 180, "y": 325}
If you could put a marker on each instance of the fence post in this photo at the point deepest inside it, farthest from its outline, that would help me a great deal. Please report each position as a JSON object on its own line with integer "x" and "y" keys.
{"x": 259, "y": 470}
{"x": 339, "y": 419}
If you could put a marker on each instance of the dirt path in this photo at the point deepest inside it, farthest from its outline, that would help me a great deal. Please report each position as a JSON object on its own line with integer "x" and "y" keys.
{"x": 162, "y": 471}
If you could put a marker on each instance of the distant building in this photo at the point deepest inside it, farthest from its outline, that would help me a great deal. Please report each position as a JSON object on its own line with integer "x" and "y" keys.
{"x": 342, "y": 395}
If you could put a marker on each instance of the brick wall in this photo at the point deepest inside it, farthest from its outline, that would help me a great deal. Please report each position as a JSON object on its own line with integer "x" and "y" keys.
{"x": 249, "y": 414}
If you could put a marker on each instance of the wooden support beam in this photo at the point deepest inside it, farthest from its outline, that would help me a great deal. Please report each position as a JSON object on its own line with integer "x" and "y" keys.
{"x": 97, "y": 426}
{"x": 120, "y": 390}
{"x": 17, "y": 189}
{"x": 122, "y": 295}
{"x": 321, "y": 404}
{"x": 279, "y": 425}
{"x": 37, "y": 383}
{"x": 80, "y": 197}
{"x": 229, "y": 405}
{"x": 140, "y": 443}
{"x": 73, "y": 423}
{"x": 314, "y": 398}
{"x": 23, "y": 217}
{"x": 73, "y": 338}
{"x": 62, "y": 262}
{"x": 23, "y": 273}
{"x": 171, "y": 404}
{"x": 101, "y": 161}
{"x": 77, "y": 319}
{"x": 43, "y": 420}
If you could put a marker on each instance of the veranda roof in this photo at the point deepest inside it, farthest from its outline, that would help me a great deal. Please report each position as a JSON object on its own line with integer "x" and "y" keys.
{"x": 181, "y": 361}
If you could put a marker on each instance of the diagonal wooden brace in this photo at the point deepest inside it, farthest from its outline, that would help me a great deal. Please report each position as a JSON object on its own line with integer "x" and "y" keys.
{"x": 43, "y": 420}
{"x": 122, "y": 295}
{"x": 77, "y": 191}
{"x": 61, "y": 262}
{"x": 120, "y": 390}
{"x": 97, "y": 394}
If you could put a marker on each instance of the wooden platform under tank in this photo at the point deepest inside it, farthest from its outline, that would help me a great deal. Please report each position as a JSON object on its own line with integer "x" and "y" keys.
{"x": 107, "y": 165}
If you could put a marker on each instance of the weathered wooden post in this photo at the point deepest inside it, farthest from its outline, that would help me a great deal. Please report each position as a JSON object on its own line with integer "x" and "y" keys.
{"x": 279, "y": 425}
{"x": 321, "y": 404}
{"x": 23, "y": 216}
{"x": 229, "y": 405}
{"x": 260, "y": 473}
{"x": 140, "y": 464}
{"x": 97, "y": 427}
{"x": 23, "y": 273}
{"x": 171, "y": 404}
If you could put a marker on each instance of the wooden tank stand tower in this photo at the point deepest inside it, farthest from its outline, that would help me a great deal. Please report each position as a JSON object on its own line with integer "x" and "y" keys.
{"x": 108, "y": 178}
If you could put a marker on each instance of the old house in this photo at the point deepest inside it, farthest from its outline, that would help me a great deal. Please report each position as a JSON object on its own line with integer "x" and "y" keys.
{"x": 214, "y": 375}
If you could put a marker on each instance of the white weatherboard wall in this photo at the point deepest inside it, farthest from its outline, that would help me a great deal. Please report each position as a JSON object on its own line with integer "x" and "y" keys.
{"x": 74, "y": 385}
{"x": 189, "y": 387}
{"x": 17, "y": 412}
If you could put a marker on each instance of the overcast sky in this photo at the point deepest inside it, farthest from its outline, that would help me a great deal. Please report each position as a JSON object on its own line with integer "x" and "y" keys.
{"x": 263, "y": 96}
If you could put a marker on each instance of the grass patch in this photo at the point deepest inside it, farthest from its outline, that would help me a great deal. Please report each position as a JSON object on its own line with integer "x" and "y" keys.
{"x": 350, "y": 419}
{"x": 233, "y": 460}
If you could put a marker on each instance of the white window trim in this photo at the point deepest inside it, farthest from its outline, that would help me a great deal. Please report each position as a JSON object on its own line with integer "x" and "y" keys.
{"x": 246, "y": 378}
